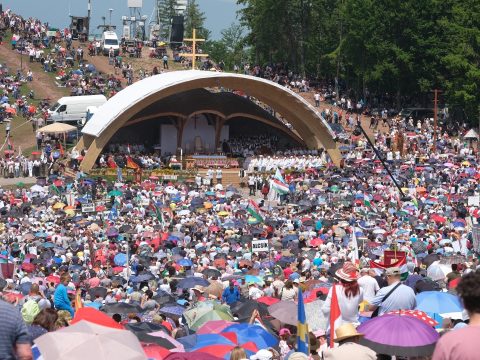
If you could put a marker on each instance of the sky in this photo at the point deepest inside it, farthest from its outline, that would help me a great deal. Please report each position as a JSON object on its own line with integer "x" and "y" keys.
{"x": 219, "y": 13}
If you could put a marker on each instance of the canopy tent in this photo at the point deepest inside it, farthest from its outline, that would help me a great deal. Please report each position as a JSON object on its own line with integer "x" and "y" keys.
{"x": 471, "y": 134}
{"x": 57, "y": 128}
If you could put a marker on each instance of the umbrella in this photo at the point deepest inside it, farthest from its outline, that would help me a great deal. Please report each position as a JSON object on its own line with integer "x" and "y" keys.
{"x": 97, "y": 291}
{"x": 430, "y": 258}
{"x": 142, "y": 277}
{"x": 285, "y": 311}
{"x": 209, "y": 273}
{"x": 249, "y": 332}
{"x": 176, "y": 310}
{"x": 437, "y": 271}
{"x": 199, "y": 341}
{"x": 420, "y": 315}
{"x": 144, "y": 327}
{"x": 154, "y": 351}
{"x": 436, "y": 302}
{"x": 214, "y": 326}
{"x": 120, "y": 259}
{"x": 85, "y": 340}
{"x": 115, "y": 193}
{"x": 145, "y": 337}
{"x": 178, "y": 345}
{"x": 192, "y": 356}
{"x": 244, "y": 309}
{"x": 97, "y": 317}
{"x": 28, "y": 267}
{"x": 399, "y": 335}
{"x": 185, "y": 262}
{"x": 191, "y": 281}
{"x": 163, "y": 298}
{"x": 204, "y": 312}
{"x": 121, "y": 308}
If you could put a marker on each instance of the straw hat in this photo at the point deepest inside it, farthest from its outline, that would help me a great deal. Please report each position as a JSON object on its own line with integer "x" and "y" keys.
{"x": 199, "y": 288}
{"x": 348, "y": 272}
{"x": 346, "y": 331}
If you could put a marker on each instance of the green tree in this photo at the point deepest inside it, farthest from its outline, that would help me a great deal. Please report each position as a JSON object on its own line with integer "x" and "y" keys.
{"x": 166, "y": 11}
{"x": 195, "y": 19}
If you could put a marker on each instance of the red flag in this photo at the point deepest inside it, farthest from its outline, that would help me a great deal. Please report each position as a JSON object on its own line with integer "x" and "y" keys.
{"x": 335, "y": 315}
{"x": 131, "y": 164}
{"x": 62, "y": 152}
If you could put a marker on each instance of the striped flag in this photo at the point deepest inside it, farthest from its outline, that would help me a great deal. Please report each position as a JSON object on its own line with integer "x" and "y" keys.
{"x": 158, "y": 213}
{"x": 335, "y": 315}
{"x": 367, "y": 201}
{"x": 303, "y": 339}
{"x": 280, "y": 187}
{"x": 278, "y": 176}
{"x": 254, "y": 210}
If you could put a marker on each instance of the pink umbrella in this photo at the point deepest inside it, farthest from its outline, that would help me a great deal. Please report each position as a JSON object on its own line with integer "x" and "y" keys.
{"x": 213, "y": 327}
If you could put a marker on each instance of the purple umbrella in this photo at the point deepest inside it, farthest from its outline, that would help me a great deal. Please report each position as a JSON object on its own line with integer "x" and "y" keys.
{"x": 399, "y": 335}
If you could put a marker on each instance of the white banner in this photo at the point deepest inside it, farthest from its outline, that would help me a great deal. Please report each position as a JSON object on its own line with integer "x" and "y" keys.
{"x": 474, "y": 200}
{"x": 259, "y": 245}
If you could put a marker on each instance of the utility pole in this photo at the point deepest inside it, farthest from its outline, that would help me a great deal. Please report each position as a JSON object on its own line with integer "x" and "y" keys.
{"x": 89, "y": 14}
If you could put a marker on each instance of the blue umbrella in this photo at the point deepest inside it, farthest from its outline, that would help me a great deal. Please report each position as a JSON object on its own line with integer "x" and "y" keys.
{"x": 191, "y": 281}
{"x": 173, "y": 310}
{"x": 193, "y": 342}
{"x": 48, "y": 245}
{"x": 41, "y": 234}
{"x": 142, "y": 277}
{"x": 77, "y": 72}
{"x": 82, "y": 200}
{"x": 185, "y": 262}
{"x": 120, "y": 259}
{"x": 290, "y": 237}
{"x": 253, "y": 279}
{"x": 436, "y": 302}
{"x": 248, "y": 332}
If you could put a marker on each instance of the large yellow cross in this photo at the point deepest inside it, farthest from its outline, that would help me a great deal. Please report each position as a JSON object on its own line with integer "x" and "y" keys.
{"x": 194, "y": 54}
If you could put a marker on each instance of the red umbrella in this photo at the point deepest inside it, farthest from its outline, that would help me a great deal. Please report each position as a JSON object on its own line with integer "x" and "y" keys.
{"x": 97, "y": 317}
{"x": 213, "y": 228}
{"x": 418, "y": 314}
{"x": 100, "y": 208}
{"x": 154, "y": 351}
{"x": 53, "y": 278}
{"x": 214, "y": 327}
{"x": 58, "y": 183}
{"x": 28, "y": 267}
{"x": 316, "y": 242}
{"x": 267, "y": 300}
{"x": 222, "y": 350}
{"x": 11, "y": 296}
{"x": 153, "y": 177}
{"x": 438, "y": 219}
{"x": 117, "y": 269}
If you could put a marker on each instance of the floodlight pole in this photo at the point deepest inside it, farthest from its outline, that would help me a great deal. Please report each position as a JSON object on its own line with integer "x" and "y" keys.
{"x": 359, "y": 126}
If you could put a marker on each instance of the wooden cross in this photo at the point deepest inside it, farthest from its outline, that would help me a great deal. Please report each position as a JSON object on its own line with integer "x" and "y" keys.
{"x": 194, "y": 54}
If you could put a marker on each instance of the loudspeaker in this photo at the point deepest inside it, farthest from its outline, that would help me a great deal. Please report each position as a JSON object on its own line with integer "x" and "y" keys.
{"x": 1, "y": 8}
{"x": 177, "y": 29}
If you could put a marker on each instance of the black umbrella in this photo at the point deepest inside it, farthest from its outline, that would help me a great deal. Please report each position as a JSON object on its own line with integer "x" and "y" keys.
{"x": 426, "y": 285}
{"x": 97, "y": 291}
{"x": 191, "y": 281}
{"x": 124, "y": 228}
{"x": 210, "y": 273}
{"x": 246, "y": 238}
{"x": 429, "y": 259}
{"x": 419, "y": 247}
{"x": 244, "y": 309}
{"x": 144, "y": 337}
{"x": 121, "y": 308}
{"x": 163, "y": 298}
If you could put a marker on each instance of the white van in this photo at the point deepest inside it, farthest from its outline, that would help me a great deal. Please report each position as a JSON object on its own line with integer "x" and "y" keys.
{"x": 110, "y": 40}
{"x": 73, "y": 109}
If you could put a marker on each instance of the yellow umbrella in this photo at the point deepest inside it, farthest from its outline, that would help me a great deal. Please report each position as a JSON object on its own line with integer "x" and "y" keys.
{"x": 466, "y": 163}
{"x": 59, "y": 205}
{"x": 223, "y": 213}
{"x": 70, "y": 212}
{"x": 68, "y": 208}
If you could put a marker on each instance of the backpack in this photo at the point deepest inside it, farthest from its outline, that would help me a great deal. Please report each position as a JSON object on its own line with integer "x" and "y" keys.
{"x": 30, "y": 310}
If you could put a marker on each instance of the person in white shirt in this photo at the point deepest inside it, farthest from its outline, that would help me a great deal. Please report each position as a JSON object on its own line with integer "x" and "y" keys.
{"x": 368, "y": 284}
{"x": 254, "y": 292}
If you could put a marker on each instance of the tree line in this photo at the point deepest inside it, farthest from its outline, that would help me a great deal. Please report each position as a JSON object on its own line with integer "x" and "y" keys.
{"x": 396, "y": 50}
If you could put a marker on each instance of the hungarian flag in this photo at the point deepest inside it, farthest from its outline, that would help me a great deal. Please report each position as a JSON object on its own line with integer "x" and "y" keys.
{"x": 279, "y": 177}
{"x": 402, "y": 261}
{"x": 354, "y": 257}
{"x": 10, "y": 143}
{"x": 55, "y": 189}
{"x": 335, "y": 315}
{"x": 131, "y": 164}
{"x": 367, "y": 201}
{"x": 158, "y": 212}
{"x": 254, "y": 210}
{"x": 280, "y": 187}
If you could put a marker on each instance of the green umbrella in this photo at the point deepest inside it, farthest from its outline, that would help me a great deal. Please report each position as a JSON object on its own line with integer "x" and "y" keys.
{"x": 20, "y": 184}
{"x": 206, "y": 311}
{"x": 334, "y": 188}
{"x": 115, "y": 193}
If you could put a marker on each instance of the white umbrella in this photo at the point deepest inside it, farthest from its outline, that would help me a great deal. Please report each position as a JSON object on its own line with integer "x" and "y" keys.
{"x": 437, "y": 271}
{"x": 37, "y": 188}
{"x": 379, "y": 231}
{"x": 184, "y": 212}
{"x": 86, "y": 340}
{"x": 171, "y": 190}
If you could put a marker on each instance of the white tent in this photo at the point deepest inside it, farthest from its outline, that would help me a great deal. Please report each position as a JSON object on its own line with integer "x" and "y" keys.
{"x": 471, "y": 134}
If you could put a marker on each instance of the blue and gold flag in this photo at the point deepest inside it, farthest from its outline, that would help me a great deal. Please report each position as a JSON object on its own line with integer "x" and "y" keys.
{"x": 302, "y": 327}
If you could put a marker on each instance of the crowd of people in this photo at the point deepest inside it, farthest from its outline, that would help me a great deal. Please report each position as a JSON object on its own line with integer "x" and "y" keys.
{"x": 204, "y": 270}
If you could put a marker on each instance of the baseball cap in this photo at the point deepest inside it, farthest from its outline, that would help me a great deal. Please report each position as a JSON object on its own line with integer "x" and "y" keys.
{"x": 393, "y": 271}
{"x": 262, "y": 355}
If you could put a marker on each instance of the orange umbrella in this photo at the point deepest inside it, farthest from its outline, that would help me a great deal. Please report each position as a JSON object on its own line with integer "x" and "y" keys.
{"x": 11, "y": 110}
